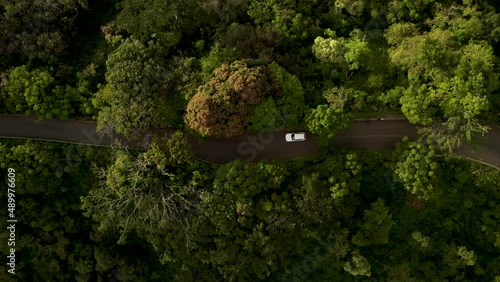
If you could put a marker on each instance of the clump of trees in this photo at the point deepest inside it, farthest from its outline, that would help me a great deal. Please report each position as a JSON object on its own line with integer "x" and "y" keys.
{"x": 134, "y": 197}
{"x": 180, "y": 219}
{"x": 162, "y": 22}
{"x": 37, "y": 31}
{"x": 55, "y": 240}
{"x": 242, "y": 95}
{"x": 34, "y": 92}
{"x": 223, "y": 106}
{"x": 451, "y": 74}
{"x": 417, "y": 169}
{"x": 136, "y": 94}
{"x": 326, "y": 121}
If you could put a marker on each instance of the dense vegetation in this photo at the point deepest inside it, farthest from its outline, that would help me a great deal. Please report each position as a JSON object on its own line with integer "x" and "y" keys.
{"x": 219, "y": 68}
{"x": 158, "y": 215}
{"x": 223, "y": 68}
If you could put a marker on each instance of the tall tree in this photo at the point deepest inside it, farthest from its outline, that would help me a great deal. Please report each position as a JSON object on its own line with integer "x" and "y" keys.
{"x": 418, "y": 170}
{"x": 35, "y": 92}
{"x": 337, "y": 175}
{"x": 162, "y": 21}
{"x": 131, "y": 98}
{"x": 343, "y": 55}
{"x": 294, "y": 20}
{"x": 266, "y": 116}
{"x": 224, "y": 105}
{"x": 289, "y": 96}
{"x": 377, "y": 223}
{"x": 141, "y": 194}
{"x": 358, "y": 265}
{"x": 326, "y": 121}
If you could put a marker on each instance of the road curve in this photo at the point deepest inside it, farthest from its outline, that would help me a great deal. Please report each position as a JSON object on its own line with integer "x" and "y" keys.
{"x": 367, "y": 135}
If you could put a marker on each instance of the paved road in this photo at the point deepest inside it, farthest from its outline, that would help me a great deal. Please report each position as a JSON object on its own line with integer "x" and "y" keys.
{"x": 368, "y": 135}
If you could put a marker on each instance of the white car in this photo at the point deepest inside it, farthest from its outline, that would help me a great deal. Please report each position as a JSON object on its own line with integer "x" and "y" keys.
{"x": 296, "y": 136}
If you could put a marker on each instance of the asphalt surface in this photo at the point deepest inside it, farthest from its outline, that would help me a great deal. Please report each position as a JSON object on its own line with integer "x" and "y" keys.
{"x": 366, "y": 135}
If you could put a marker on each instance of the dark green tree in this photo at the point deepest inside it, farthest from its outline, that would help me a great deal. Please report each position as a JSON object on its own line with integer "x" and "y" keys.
{"x": 265, "y": 116}
{"x": 377, "y": 223}
{"x": 36, "y": 30}
{"x": 161, "y": 21}
{"x": 141, "y": 194}
{"x": 246, "y": 224}
{"x": 290, "y": 98}
{"x": 131, "y": 99}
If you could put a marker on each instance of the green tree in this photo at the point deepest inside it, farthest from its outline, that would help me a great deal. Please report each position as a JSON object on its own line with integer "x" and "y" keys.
{"x": 34, "y": 92}
{"x": 396, "y": 33}
{"x": 343, "y": 55}
{"x": 130, "y": 100}
{"x": 266, "y": 116}
{"x": 58, "y": 242}
{"x": 55, "y": 245}
{"x": 377, "y": 223}
{"x": 458, "y": 257}
{"x": 346, "y": 99}
{"x": 141, "y": 194}
{"x": 247, "y": 222}
{"x": 409, "y": 11}
{"x": 294, "y": 20}
{"x": 353, "y": 66}
{"x": 353, "y": 7}
{"x": 215, "y": 58}
{"x": 337, "y": 176}
{"x": 453, "y": 133}
{"x": 228, "y": 12}
{"x": 260, "y": 42}
{"x": 459, "y": 101}
{"x": 417, "y": 104}
{"x": 418, "y": 170}
{"x": 464, "y": 20}
{"x": 326, "y": 121}
{"x": 174, "y": 150}
{"x": 449, "y": 81}
{"x": 314, "y": 200}
{"x": 290, "y": 100}
{"x": 422, "y": 54}
{"x": 165, "y": 22}
{"x": 401, "y": 273}
{"x": 358, "y": 265}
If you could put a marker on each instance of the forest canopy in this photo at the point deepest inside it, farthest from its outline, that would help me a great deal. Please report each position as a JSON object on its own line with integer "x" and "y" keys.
{"x": 219, "y": 69}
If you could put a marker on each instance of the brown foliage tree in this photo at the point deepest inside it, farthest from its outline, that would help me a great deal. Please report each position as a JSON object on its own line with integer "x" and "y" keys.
{"x": 223, "y": 106}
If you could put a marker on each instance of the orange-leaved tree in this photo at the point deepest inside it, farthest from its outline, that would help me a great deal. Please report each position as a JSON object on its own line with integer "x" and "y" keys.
{"x": 223, "y": 106}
